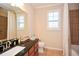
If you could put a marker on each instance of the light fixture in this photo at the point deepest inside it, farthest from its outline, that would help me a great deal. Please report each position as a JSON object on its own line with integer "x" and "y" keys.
{"x": 17, "y": 3}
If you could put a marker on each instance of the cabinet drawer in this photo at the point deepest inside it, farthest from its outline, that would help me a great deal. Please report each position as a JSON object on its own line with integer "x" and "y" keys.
{"x": 31, "y": 50}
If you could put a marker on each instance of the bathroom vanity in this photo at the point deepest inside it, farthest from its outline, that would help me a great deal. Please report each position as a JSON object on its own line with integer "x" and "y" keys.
{"x": 25, "y": 48}
{"x": 31, "y": 48}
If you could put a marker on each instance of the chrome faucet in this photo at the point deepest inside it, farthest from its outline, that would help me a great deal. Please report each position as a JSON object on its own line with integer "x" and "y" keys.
{"x": 8, "y": 44}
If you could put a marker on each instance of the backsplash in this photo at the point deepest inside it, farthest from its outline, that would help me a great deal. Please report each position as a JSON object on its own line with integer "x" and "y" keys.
{"x": 6, "y": 44}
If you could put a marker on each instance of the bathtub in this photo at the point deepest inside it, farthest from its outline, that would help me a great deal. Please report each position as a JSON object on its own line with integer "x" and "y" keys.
{"x": 75, "y": 50}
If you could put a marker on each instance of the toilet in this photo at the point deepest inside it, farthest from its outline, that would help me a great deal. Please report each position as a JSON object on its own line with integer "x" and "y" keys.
{"x": 41, "y": 47}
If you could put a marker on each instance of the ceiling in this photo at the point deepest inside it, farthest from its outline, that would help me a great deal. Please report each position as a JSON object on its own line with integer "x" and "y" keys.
{"x": 33, "y": 5}
{"x": 73, "y": 6}
{"x": 8, "y": 6}
{"x": 38, "y": 5}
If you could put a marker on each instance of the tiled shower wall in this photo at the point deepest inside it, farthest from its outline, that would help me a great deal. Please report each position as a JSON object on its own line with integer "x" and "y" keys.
{"x": 74, "y": 26}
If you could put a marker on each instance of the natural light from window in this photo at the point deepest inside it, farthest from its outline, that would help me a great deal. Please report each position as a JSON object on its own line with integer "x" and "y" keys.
{"x": 53, "y": 19}
{"x": 20, "y": 22}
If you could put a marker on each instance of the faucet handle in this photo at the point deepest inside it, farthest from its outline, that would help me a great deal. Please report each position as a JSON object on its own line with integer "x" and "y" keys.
{"x": 8, "y": 44}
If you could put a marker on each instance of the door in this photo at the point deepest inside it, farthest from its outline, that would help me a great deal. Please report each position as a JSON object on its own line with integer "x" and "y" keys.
{"x": 74, "y": 26}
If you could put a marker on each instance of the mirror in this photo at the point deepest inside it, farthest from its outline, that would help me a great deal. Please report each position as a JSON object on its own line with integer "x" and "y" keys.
{"x": 8, "y": 22}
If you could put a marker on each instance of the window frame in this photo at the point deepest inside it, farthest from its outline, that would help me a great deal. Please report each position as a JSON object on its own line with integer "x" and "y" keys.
{"x": 59, "y": 21}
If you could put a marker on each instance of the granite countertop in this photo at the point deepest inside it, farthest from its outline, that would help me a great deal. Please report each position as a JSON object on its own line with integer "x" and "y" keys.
{"x": 27, "y": 44}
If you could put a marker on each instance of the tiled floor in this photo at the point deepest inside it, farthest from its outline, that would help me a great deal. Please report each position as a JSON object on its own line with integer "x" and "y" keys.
{"x": 48, "y": 52}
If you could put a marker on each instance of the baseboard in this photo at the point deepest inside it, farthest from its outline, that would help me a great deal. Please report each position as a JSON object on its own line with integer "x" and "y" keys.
{"x": 54, "y": 48}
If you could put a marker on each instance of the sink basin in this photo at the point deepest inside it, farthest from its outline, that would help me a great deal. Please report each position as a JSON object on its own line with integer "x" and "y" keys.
{"x": 13, "y": 51}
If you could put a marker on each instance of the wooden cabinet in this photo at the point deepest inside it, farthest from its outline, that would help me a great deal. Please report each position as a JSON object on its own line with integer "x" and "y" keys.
{"x": 26, "y": 54}
{"x": 3, "y": 23}
{"x": 33, "y": 51}
{"x": 32, "y": 54}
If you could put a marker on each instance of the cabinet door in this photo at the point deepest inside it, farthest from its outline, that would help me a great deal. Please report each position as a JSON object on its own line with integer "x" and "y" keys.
{"x": 31, "y": 50}
{"x": 32, "y": 54}
{"x": 36, "y": 45}
{"x": 36, "y": 49}
{"x": 26, "y": 54}
{"x": 36, "y": 54}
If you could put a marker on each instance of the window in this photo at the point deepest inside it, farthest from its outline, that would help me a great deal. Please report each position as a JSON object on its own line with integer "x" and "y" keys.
{"x": 53, "y": 20}
{"x": 20, "y": 22}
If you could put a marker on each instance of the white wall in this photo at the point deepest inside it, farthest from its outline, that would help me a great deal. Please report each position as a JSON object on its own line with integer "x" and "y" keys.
{"x": 66, "y": 31}
{"x": 51, "y": 38}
